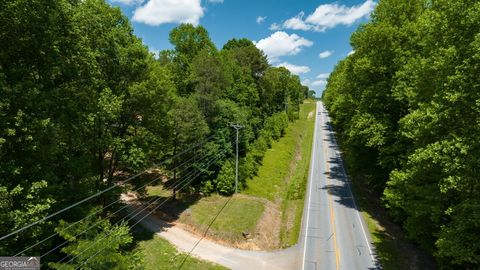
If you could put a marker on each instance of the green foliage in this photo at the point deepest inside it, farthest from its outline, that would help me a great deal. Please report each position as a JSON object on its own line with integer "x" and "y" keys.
{"x": 225, "y": 181}
{"x": 83, "y": 104}
{"x": 406, "y": 108}
{"x": 207, "y": 188}
{"x": 188, "y": 41}
{"x": 98, "y": 248}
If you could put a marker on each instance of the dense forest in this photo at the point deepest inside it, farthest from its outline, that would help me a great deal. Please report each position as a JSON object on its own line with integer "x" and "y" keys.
{"x": 84, "y": 104}
{"x": 406, "y": 105}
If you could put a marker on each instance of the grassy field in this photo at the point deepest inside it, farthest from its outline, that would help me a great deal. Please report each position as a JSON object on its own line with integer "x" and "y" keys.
{"x": 283, "y": 175}
{"x": 240, "y": 215}
{"x": 159, "y": 254}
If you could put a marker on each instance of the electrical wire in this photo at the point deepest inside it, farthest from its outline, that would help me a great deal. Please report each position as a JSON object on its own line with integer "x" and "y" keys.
{"x": 101, "y": 209}
{"x": 98, "y": 222}
{"x": 101, "y": 192}
{"x": 186, "y": 184}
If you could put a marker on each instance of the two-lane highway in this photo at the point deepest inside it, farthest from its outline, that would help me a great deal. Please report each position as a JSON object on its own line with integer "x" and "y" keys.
{"x": 334, "y": 235}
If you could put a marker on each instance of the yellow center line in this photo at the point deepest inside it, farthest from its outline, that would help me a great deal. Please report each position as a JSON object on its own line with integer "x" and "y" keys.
{"x": 332, "y": 214}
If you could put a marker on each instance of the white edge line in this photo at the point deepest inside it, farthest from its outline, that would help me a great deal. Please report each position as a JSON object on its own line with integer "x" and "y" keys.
{"x": 310, "y": 183}
{"x": 358, "y": 215}
{"x": 354, "y": 200}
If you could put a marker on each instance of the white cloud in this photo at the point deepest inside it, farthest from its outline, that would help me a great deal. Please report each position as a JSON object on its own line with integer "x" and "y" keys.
{"x": 325, "y": 54}
{"x": 328, "y": 16}
{"x": 275, "y": 26}
{"x": 297, "y": 23}
{"x": 281, "y": 44}
{"x": 351, "y": 52}
{"x": 314, "y": 83}
{"x": 261, "y": 19}
{"x": 156, "y": 12}
{"x": 297, "y": 70}
{"x": 323, "y": 75}
{"x": 128, "y": 2}
{"x": 319, "y": 82}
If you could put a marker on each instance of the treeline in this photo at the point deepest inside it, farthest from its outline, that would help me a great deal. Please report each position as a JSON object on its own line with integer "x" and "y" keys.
{"x": 83, "y": 103}
{"x": 406, "y": 105}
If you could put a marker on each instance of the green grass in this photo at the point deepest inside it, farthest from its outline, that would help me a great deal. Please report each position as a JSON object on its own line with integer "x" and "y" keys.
{"x": 269, "y": 183}
{"x": 283, "y": 175}
{"x": 240, "y": 215}
{"x": 159, "y": 254}
{"x": 158, "y": 191}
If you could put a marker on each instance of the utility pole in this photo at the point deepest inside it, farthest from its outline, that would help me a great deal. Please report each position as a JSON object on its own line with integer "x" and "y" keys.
{"x": 237, "y": 127}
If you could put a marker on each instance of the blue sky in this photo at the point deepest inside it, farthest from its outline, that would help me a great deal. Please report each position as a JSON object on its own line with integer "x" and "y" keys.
{"x": 307, "y": 37}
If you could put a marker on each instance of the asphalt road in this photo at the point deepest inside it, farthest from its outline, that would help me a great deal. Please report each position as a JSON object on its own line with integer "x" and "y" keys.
{"x": 334, "y": 235}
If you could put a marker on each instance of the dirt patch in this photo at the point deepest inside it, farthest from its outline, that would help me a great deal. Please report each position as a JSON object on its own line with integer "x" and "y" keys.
{"x": 129, "y": 196}
{"x": 310, "y": 115}
{"x": 247, "y": 244}
{"x": 289, "y": 220}
{"x": 267, "y": 232}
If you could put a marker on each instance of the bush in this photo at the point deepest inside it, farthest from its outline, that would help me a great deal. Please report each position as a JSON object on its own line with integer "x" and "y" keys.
{"x": 207, "y": 188}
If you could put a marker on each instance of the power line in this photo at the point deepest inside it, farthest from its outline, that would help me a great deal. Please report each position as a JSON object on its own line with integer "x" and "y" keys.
{"x": 237, "y": 127}
{"x": 102, "y": 209}
{"x": 110, "y": 215}
{"x": 102, "y": 191}
{"x": 133, "y": 224}
{"x": 186, "y": 184}
{"x": 135, "y": 213}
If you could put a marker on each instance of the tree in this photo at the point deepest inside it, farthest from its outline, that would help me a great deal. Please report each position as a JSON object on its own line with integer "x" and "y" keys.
{"x": 210, "y": 79}
{"x": 247, "y": 56}
{"x": 225, "y": 180}
{"x": 65, "y": 71}
{"x": 188, "y": 41}
{"x": 189, "y": 127}
{"x": 280, "y": 90}
{"x": 98, "y": 248}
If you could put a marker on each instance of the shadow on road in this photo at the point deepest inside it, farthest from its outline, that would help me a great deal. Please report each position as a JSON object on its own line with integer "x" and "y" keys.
{"x": 392, "y": 248}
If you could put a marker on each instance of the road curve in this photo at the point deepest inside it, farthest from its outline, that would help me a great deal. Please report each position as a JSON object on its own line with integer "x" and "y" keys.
{"x": 334, "y": 234}
{"x": 233, "y": 258}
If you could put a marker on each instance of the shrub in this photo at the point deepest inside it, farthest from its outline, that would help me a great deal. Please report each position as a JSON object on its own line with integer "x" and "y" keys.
{"x": 225, "y": 180}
